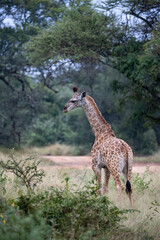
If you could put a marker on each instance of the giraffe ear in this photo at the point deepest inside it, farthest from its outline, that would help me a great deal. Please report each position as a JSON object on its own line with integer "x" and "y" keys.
{"x": 83, "y": 94}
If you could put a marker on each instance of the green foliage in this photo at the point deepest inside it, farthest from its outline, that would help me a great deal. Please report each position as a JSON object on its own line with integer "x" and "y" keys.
{"x": 14, "y": 109}
{"x": 74, "y": 215}
{"x": 155, "y": 207}
{"x": 25, "y": 169}
{"x": 137, "y": 57}
{"x": 19, "y": 101}
{"x": 149, "y": 143}
{"x": 145, "y": 11}
{"x": 99, "y": 215}
{"x": 3, "y": 180}
{"x": 141, "y": 66}
{"x": 142, "y": 138}
{"x": 72, "y": 42}
{"x": 142, "y": 183}
{"x": 14, "y": 225}
{"x": 39, "y": 12}
{"x": 46, "y": 132}
{"x": 81, "y": 35}
{"x": 63, "y": 214}
{"x": 55, "y": 213}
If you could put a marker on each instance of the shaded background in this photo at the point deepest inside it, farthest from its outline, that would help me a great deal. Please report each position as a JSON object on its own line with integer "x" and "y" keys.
{"x": 111, "y": 49}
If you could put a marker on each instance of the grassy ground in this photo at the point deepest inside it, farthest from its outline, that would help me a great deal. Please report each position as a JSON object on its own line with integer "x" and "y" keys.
{"x": 146, "y": 218}
{"x": 146, "y": 197}
{"x": 155, "y": 158}
{"x": 66, "y": 150}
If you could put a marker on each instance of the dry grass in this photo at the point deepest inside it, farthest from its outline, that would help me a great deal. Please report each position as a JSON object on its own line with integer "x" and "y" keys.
{"x": 155, "y": 158}
{"x": 145, "y": 218}
{"x": 66, "y": 150}
{"x": 55, "y": 149}
{"x": 146, "y": 202}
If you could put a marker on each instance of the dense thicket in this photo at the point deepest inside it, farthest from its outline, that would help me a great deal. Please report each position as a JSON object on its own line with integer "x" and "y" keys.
{"x": 113, "y": 54}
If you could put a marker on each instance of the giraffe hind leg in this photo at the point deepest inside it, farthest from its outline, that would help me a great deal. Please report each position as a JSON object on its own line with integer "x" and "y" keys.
{"x": 106, "y": 181}
{"x": 118, "y": 183}
{"x": 128, "y": 185}
{"x": 97, "y": 172}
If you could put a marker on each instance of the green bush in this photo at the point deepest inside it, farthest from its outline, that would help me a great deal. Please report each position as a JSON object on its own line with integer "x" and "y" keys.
{"x": 48, "y": 131}
{"x": 55, "y": 213}
{"x": 80, "y": 214}
{"x": 58, "y": 213}
{"x": 74, "y": 215}
{"x": 149, "y": 144}
{"x": 26, "y": 170}
{"x": 15, "y": 226}
{"x": 142, "y": 183}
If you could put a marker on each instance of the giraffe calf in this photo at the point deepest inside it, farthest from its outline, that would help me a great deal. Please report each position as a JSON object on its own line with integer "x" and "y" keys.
{"x": 108, "y": 152}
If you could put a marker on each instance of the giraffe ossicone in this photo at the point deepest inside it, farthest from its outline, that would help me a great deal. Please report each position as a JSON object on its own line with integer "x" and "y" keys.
{"x": 75, "y": 89}
{"x": 108, "y": 152}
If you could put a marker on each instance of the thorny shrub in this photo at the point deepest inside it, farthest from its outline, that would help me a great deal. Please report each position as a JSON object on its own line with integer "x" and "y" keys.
{"x": 58, "y": 213}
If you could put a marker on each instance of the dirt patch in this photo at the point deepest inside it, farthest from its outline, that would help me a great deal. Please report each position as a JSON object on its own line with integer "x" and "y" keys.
{"x": 81, "y": 162}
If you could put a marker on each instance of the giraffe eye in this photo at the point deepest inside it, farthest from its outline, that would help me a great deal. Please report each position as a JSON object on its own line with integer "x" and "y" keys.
{"x": 73, "y": 101}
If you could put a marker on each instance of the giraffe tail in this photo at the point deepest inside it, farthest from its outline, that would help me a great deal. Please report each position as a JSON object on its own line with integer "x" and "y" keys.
{"x": 128, "y": 184}
{"x": 129, "y": 191}
{"x": 128, "y": 187}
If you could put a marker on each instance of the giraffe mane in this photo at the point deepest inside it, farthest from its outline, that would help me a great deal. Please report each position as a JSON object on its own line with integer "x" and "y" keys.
{"x": 110, "y": 131}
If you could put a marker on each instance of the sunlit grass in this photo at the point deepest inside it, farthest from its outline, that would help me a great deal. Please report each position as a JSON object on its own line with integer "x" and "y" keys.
{"x": 67, "y": 150}
{"x": 155, "y": 158}
{"x": 146, "y": 218}
{"x": 56, "y": 149}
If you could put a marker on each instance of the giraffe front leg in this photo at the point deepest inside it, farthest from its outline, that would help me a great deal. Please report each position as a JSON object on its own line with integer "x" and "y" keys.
{"x": 97, "y": 172}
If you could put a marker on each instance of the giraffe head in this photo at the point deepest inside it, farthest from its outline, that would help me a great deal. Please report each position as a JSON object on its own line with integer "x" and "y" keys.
{"x": 77, "y": 100}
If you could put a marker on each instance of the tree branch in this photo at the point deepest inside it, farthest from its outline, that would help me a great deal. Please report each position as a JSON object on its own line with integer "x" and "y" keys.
{"x": 140, "y": 17}
{"x": 157, "y": 120}
{"x": 6, "y": 83}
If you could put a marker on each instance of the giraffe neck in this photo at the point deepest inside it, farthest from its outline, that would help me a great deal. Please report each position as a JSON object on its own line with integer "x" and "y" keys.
{"x": 95, "y": 118}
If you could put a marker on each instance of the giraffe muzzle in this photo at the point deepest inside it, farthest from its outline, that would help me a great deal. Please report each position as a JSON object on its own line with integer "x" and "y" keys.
{"x": 65, "y": 110}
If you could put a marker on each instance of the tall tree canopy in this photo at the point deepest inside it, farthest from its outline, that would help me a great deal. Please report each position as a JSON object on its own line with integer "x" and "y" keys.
{"x": 139, "y": 16}
{"x": 86, "y": 35}
{"x": 108, "y": 49}
{"x": 17, "y": 89}
{"x": 82, "y": 35}
{"x": 138, "y": 56}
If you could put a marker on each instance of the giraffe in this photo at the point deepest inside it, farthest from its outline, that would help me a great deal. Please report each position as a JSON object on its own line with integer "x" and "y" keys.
{"x": 108, "y": 152}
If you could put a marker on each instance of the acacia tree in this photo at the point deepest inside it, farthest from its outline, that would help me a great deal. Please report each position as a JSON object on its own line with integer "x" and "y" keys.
{"x": 19, "y": 94}
{"x": 83, "y": 35}
{"x": 61, "y": 42}
{"x": 138, "y": 57}
{"x": 139, "y": 17}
